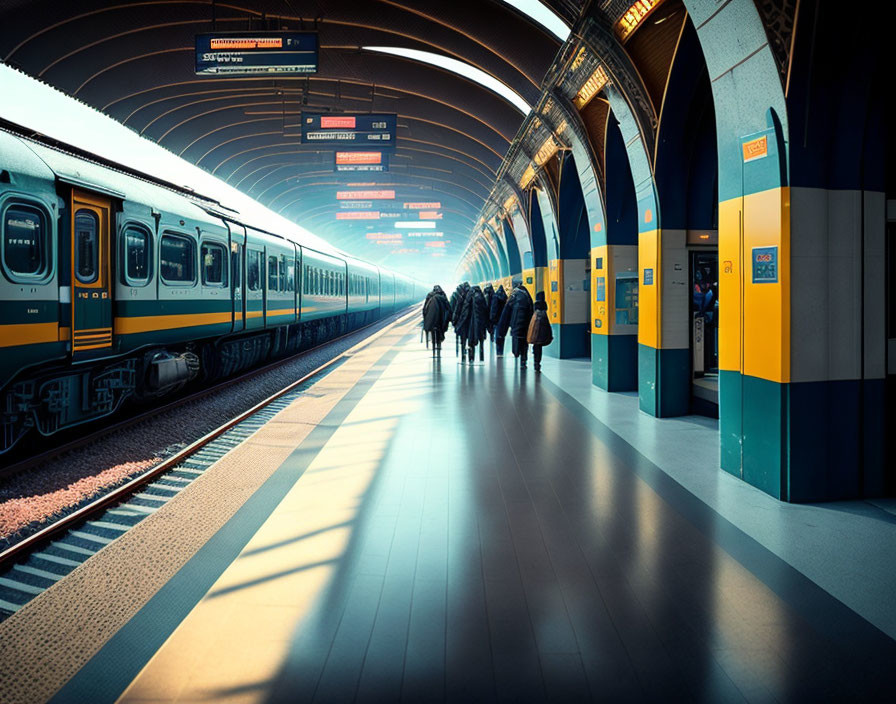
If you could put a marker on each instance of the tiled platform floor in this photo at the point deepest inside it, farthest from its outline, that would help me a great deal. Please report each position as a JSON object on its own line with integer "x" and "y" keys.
{"x": 468, "y": 534}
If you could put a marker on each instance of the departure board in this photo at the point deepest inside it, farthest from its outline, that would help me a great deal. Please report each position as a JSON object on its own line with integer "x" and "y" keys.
{"x": 361, "y": 131}
{"x": 361, "y": 161}
{"x": 256, "y": 53}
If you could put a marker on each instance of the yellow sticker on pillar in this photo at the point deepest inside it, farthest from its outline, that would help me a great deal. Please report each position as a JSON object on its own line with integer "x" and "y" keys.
{"x": 555, "y": 291}
{"x": 600, "y": 291}
{"x": 766, "y": 285}
{"x": 649, "y": 269}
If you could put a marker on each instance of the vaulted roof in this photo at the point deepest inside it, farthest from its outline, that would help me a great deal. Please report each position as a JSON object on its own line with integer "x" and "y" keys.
{"x": 134, "y": 59}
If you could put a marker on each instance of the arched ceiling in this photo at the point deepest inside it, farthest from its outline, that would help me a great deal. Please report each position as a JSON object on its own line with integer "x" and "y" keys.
{"x": 134, "y": 60}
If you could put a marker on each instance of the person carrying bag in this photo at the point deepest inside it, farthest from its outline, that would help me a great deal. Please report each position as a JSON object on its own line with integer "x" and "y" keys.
{"x": 540, "y": 332}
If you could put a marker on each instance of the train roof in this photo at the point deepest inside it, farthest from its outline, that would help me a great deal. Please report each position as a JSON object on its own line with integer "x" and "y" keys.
{"x": 47, "y": 113}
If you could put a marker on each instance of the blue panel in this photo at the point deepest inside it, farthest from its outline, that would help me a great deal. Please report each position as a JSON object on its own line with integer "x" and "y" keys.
{"x": 614, "y": 362}
{"x": 570, "y": 340}
{"x": 765, "y": 265}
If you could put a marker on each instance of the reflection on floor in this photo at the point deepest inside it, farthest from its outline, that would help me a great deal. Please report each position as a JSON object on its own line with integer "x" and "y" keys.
{"x": 474, "y": 534}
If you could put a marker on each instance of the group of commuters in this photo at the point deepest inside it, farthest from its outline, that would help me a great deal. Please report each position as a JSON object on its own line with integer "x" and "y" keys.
{"x": 477, "y": 314}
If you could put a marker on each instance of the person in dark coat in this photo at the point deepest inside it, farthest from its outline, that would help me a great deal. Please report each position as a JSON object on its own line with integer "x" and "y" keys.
{"x": 475, "y": 315}
{"x": 436, "y": 316}
{"x": 464, "y": 319}
{"x": 455, "y": 297}
{"x": 489, "y": 293}
{"x": 499, "y": 300}
{"x": 515, "y": 320}
{"x": 540, "y": 332}
{"x": 457, "y": 305}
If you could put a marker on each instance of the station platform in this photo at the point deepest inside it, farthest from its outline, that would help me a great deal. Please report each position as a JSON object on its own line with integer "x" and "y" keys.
{"x": 412, "y": 529}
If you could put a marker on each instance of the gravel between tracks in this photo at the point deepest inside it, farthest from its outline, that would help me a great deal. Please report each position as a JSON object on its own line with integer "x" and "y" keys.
{"x": 28, "y": 501}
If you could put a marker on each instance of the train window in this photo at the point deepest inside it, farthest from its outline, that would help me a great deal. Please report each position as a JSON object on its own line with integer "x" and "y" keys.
{"x": 87, "y": 246}
{"x": 214, "y": 265}
{"x": 24, "y": 241}
{"x": 273, "y": 277}
{"x": 235, "y": 262}
{"x": 287, "y": 273}
{"x": 177, "y": 259}
{"x": 136, "y": 255}
{"x": 253, "y": 268}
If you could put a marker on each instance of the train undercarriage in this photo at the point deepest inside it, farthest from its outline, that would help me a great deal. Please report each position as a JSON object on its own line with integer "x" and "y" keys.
{"x": 49, "y": 399}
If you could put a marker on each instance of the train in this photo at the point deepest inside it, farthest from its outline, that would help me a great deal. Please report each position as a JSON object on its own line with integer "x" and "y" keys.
{"x": 118, "y": 286}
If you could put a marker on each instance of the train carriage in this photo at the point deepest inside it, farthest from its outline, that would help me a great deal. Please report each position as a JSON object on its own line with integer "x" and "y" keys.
{"x": 113, "y": 287}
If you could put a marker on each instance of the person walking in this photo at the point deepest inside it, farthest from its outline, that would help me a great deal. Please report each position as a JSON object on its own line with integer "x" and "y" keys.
{"x": 463, "y": 324}
{"x": 515, "y": 320}
{"x": 436, "y": 316}
{"x": 489, "y": 292}
{"x": 478, "y": 326}
{"x": 540, "y": 332}
{"x": 499, "y": 300}
{"x": 457, "y": 305}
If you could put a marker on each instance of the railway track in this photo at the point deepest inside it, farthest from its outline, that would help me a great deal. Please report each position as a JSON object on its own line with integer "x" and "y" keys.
{"x": 34, "y": 564}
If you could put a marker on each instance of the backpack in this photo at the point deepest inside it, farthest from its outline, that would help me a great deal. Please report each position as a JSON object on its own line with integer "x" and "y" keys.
{"x": 540, "y": 332}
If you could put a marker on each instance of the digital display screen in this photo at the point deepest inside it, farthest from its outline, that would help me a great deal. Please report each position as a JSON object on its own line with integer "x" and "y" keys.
{"x": 358, "y": 215}
{"x": 365, "y": 195}
{"x": 361, "y": 161}
{"x": 361, "y": 131}
{"x": 256, "y": 53}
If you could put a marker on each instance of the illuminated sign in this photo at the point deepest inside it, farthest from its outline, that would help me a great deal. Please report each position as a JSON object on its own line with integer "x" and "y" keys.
{"x": 634, "y": 16}
{"x": 358, "y": 215}
{"x": 355, "y": 204}
{"x": 755, "y": 149}
{"x": 419, "y": 225}
{"x": 384, "y": 236}
{"x": 429, "y": 215}
{"x": 425, "y": 234}
{"x": 361, "y": 161}
{"x": 422, "y": 206}
{"x": 365, "y": 195}
{"x": 349, "y": 131}
{"x": 256, "y": 53}
{"x": 359, "y": 157}
{"x": 392, "y": 215}
{"x": 591, "y": 87}
{"x": 434, "y": 244}
{"x": 342, "y": 122}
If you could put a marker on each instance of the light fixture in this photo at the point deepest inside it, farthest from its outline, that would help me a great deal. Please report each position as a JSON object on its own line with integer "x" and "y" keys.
{"x": 634, "y": 16}
{"x": 591, "y": 87}
{"x": 461, "y": 68}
